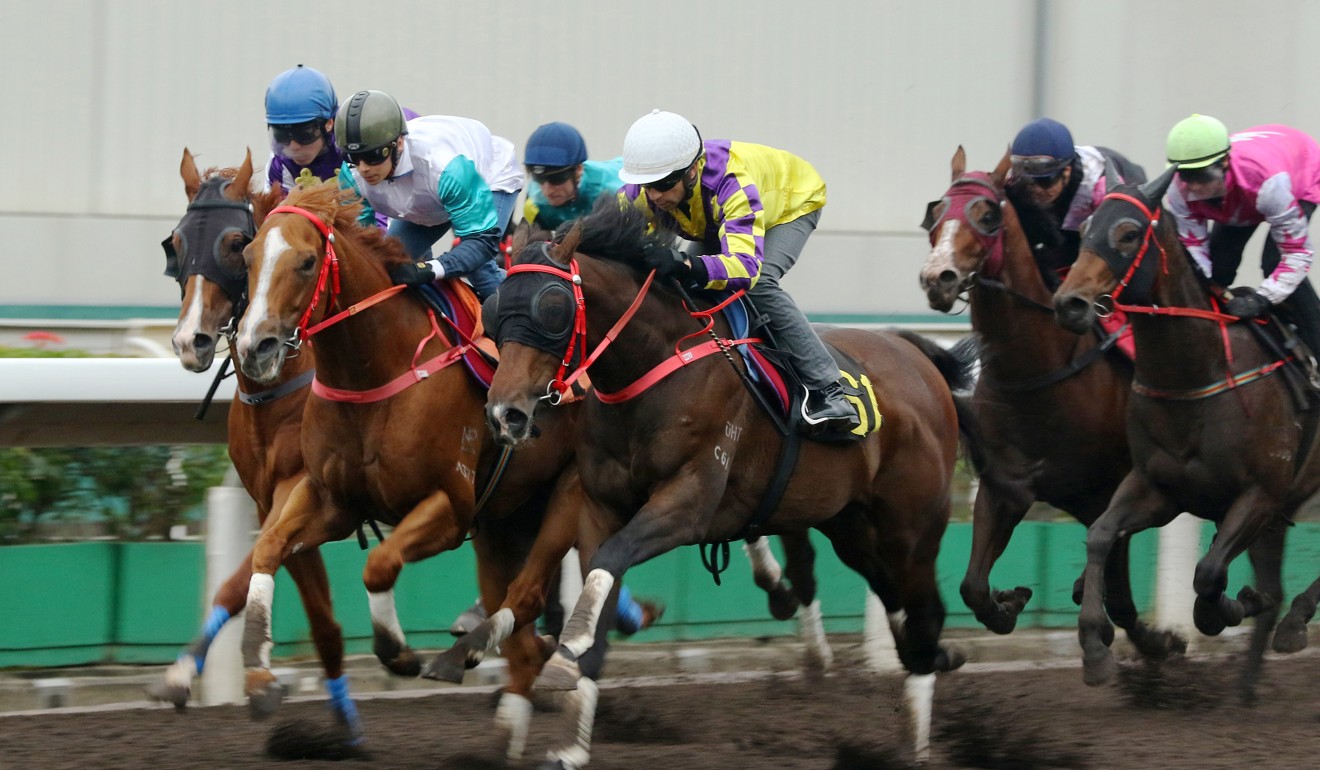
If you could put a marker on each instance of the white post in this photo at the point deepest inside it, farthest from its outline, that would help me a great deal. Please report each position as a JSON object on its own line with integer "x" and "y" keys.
{"x": 231, "y": 517}
{"x": 1180, "y": 549}
{"x": 570, "y": 581}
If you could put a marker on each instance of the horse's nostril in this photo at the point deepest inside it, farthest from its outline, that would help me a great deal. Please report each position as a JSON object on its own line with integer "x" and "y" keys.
{"x": 948, "y": 278}
{"x": 266, "y": 346}
{"x": 516, "y": 420}
{"x": 202, "y": 341}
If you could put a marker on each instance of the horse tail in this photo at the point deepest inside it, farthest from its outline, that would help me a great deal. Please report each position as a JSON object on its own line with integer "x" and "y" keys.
{"x": 958, "y": 366}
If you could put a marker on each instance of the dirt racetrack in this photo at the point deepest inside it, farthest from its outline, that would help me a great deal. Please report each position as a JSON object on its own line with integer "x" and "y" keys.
{"x": 1182, "y": 716}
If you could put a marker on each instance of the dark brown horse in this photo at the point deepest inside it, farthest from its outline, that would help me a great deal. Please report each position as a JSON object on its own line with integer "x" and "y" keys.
{"x": 1052, "y": 403}
{"x": 391, "y": 433}
{"x": 689, "y": 459}
{"x": 204, "y": 254}
{"x": 1212, "y": 425}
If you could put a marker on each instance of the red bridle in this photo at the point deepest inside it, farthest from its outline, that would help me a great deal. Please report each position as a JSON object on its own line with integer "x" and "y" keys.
{"x": 965, "y": 190}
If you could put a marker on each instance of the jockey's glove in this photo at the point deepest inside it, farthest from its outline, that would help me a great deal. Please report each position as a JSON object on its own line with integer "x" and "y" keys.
{"x": 416, "y": 273}
{"x": 1247, "y": 303}
{"x": 666, "y": 261}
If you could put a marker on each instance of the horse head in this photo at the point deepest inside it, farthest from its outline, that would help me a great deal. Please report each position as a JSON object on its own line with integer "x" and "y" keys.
{"x": 291, "y": 264}
{"x": 532, "y": 319}
{"x": 1116, "y": 257}
{"x": 966, "y": 231}
{"x": 204, "y": 253}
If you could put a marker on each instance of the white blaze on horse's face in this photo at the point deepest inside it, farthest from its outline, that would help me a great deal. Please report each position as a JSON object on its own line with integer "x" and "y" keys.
{"x": 190, "y": 323}
{"x": 272, "y": 249}
{"x": 943, "y": 255}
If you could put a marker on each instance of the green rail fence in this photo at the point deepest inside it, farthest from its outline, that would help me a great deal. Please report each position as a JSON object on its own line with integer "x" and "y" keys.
{"x": 99, "y": 602}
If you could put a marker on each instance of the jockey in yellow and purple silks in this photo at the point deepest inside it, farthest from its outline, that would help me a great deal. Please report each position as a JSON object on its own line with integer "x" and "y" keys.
{"x": 749, "y": 210}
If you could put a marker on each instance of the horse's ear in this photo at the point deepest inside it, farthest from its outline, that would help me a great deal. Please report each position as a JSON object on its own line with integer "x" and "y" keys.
{"x": 521, "y": 236}
{"x": 1000, "y": 174}
{"x": 192, "y": 178}
{"x": 239, "y": 187}
{"x": 958, "y": 164}
{"x": 1112, "y": 177}
{"x": 563, "y": 251}
{"x": 1154, "y": 190}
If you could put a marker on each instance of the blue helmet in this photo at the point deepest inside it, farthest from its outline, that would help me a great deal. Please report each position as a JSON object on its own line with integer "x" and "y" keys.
{"x": 1043, "y": 147}
{"x": 555, "y": 146}
{"x": 299, "y": 95}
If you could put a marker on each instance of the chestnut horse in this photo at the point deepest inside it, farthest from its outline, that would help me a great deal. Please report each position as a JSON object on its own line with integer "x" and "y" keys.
{"x": 688, "y": 459}
{"x": 1211, "y": 430}
{"x": 391, "y": 433}
{"x": 1052, "y": 403}
{"x": 204, "y": 254}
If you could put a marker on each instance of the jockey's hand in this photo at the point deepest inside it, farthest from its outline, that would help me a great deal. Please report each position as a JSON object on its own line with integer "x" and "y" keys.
{"x": 1247, "y": 303}
{"x": 666, "y": 261}
{"x": 416, "y": 273}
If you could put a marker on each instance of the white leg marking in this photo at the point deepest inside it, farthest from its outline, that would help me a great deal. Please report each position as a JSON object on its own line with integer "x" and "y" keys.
{"x": 261, "y": 595}
{"x": 595, "y": 590}
{"x": 384, "y": 616}
{"x": 580, "y": 705}
{"x": 501, "y": 625}
{"x": 812, "y": 630}
{"x": 180, "y": 673}
{"x": 918, "y": 695}
{"x": 514, "y": 716}
{"x": 764, "y": 566}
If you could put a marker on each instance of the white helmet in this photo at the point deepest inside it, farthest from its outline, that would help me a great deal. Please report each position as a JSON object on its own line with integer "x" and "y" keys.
{"x": 657, "y": 145}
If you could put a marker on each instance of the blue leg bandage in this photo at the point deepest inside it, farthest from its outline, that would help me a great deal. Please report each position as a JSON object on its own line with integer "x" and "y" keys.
{"x": 628, "y": 617}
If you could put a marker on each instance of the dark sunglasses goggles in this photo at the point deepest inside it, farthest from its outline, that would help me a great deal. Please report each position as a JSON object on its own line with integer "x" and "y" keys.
{"x": 302, "y": 133}
{"x": 552, "y": 176}
{"x": 371, "y": 157}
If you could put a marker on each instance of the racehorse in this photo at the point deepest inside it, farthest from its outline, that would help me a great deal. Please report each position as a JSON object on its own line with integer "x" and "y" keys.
{"x": 391, "y": 433}
{"x": 685, "y": 459}
{"x": 1211, "y": 430}
{"x": 1052, "y": 403}
{"x": 204, "y": 253}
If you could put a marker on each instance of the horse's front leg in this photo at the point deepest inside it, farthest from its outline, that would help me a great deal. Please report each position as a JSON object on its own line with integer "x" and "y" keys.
{"x": 1214, "y": 610}
{"x": 1136, "y": 506}
{"x": 993, "y": 520}
{"x": 1151, "y": 642}
{"x": 436, "y": 524}
{"x": 306, "y": 522}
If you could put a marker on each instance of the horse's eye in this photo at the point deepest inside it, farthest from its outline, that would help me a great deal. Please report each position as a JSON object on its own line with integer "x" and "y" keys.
{"x": 308, "y": 264}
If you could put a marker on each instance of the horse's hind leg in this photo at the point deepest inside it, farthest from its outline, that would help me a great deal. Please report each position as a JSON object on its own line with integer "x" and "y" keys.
{"x": 1290, "y": 634}
{"x": 1245, "y": 521}
{"x": 1151, "y": 642}
{"x": 993, "y": 522}
{"x": 800, "y": 564}
{"x": 1266, "y": 553}
{"x": 768, "y": 576}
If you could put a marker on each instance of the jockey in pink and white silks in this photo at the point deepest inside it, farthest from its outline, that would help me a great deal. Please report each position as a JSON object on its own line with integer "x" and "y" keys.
{"x": 1265, "y": 174}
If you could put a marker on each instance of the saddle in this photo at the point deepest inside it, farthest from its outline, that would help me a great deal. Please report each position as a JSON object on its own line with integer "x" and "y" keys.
{"x": 782, "y": 393}
{"x": 1279, "y": 336}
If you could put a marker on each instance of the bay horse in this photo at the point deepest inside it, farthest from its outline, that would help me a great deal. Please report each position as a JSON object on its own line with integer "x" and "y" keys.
{"x": 687, "y": 459}
{"x": 1051, "y": 402}
{"x": 204, "y": 253}
{"x": 1211, "y": 431}
{"x": 391, "y": 433}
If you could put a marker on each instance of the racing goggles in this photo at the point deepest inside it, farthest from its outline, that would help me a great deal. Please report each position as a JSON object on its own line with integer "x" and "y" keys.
{"x": 371, "y": 157}
{"x": 667, "y": 183}
{"x": 543, "y": 175}
{"x": 1204, "y": 175}
{"x": 1039, "y": 166}
{"x": 302, "y": 133}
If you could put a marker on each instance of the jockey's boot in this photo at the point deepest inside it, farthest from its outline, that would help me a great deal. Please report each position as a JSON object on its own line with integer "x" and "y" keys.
{"x": 827, "y": 407}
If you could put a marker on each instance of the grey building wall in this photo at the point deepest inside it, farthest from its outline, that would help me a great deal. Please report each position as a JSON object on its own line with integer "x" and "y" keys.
{"x": 103, "y": 95}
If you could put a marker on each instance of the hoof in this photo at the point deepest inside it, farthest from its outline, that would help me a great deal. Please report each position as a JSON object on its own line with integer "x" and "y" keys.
{"x": 1207, "y": 618}
{"x": 559, "y": 675}
{"x": 1154, "y": 644}
{"x": 399, "y": 659}
{"x": 169, "y": 693}
{"x": 448, "y": 666}
{"x": 265, "y": 701}
{"x": 783, "y": 604}
{"x": 951, "y": 657}
{"x": 1290, "y": 635}
{"x": 1098, "y": 668}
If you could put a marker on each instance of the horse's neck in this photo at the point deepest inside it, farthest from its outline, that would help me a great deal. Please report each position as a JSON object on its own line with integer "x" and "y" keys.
{"x": 375, "y": 344}
{"x": 1014, "y": 322}
{"x": 1177, "y": 351}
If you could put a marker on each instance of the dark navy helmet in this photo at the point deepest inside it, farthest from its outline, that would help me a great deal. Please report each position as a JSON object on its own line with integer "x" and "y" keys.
{"x": 1042, "y": 148}
{"x": 554, "y": 146}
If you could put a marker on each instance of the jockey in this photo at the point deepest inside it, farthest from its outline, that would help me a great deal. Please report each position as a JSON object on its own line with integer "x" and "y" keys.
{"x": 567, "y": 184}
{"x": 762, "y": 205}
{"x": 1065, "y": 182}
{"x": 300, "y": 113}
{"x": 429, "y": 174}
{"x": 1268, "y": 174}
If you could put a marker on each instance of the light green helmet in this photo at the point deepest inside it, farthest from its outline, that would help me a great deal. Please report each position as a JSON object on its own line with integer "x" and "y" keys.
{"x": 1197, "y": 142}
{"x": 368, "y": 121}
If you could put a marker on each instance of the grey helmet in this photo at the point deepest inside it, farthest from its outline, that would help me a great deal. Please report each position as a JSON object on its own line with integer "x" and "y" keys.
{"x": 368, "y": 121}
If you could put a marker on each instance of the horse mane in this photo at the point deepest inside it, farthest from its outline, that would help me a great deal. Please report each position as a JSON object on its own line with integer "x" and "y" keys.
{"x": 617, "y": 232}
{"x": 341, "y": 208}
{"x": 1039, "y": 225}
